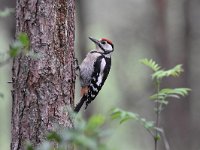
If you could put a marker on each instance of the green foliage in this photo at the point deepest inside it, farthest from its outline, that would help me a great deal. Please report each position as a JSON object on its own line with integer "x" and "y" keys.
{"x": 168, "y": 92}
{"x": 23, "y": 38}
{"x": 20, "y": 45}
{"x": 124, "y": 116}
{"x": 95, "y": 122}
{"x": 160, "y": 99}
{"x": 161, "y": 95}
{"x": 174, "y": 72}
{"x": 7, "y": 12}
{"x": 53, "y": 136}
{"x": 83, "y": 136}
{"x": 29, "y": 146}
{"x": 159, "y": 73}
{"x": 151, "y": 64}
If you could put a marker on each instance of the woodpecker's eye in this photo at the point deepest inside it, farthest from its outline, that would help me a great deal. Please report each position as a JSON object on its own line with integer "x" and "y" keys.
{"x": 103, "y": 42}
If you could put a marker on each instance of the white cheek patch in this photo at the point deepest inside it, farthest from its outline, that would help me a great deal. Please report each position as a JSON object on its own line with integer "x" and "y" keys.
{"x": 103, "y": 64}
{"x": 108, "y": 47}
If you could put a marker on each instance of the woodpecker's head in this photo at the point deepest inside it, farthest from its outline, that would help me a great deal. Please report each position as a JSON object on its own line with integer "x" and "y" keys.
{"x": 103, "y": 45}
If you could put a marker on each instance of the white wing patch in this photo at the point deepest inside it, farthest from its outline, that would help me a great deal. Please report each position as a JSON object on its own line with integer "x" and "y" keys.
{"x": 94, "y": 89}
{"x": 102, "y": 66}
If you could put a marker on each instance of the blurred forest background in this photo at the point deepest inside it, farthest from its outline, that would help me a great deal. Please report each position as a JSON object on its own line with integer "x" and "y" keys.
{"x": 166, "y": 30}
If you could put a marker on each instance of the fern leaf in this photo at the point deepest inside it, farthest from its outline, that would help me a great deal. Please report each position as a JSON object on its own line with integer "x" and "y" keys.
{"x": 174, "y": 72}
{"x": 123, "y": 116}
{"x": 150, "y": 63}
{"x": 167, "y": 92}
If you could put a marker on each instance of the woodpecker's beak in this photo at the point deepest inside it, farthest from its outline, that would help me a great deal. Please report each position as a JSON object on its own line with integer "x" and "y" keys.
{"x": 94, "y": 40}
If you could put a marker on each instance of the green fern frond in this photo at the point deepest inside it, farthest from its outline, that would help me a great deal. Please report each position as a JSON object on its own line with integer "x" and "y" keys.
{"x": 151, "y": 64}
{"x": 167, "y": 92}
{"x": 182, "y": 91}
{"x": 174, "y": 72}
{"x": 123, "y": 116}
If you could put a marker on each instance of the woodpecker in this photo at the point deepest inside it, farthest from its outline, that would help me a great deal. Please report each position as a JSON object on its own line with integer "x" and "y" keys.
{"x": 94, "y": 71}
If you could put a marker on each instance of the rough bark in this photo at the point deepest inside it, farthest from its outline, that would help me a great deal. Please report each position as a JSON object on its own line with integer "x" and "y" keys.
{"x": 43, "y": 87}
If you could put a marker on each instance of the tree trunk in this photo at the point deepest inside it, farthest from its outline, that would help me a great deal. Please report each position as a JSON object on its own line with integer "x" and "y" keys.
{"x": 161, "y": 46}
{"x": 175, "y": 49}
{"x": 43, "y": 86}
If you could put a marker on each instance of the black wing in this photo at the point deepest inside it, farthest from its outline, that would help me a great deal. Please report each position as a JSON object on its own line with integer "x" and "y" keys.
{"x": 93, "y": 87}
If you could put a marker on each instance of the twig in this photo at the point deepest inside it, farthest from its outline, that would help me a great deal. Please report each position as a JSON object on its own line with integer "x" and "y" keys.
{"x": 166, "y": 143}
{"x": 157, "y": 114}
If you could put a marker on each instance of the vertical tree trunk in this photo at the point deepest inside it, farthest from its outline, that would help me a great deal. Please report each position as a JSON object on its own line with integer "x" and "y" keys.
{"x": 177, "y": 116}
{"x": 175, "y": 49}
{"x": 161, "y": 33}
{"x": 43, "y": 86}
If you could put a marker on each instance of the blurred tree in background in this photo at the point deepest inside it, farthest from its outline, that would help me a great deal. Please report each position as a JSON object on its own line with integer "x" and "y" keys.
{"x": 165, "y": 30}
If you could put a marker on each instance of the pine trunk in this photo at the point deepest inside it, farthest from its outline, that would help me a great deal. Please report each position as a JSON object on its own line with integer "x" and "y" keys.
{"x": 43, "y": 87}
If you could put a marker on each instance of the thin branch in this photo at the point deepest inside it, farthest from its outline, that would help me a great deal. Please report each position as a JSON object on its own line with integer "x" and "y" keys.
{"x": 151, "y": 133}
{"x": 157, "y": 113}
{"x": 166, "y": 143}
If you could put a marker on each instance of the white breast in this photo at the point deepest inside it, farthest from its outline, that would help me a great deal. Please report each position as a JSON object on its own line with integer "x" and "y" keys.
{"x": 100, "y": 78}
{"x": 86, "y": 68}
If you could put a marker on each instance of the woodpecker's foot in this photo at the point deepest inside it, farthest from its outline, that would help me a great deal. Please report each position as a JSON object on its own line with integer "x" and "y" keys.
{"x": 77, "y": 68}
{"x": 76, "y": 63}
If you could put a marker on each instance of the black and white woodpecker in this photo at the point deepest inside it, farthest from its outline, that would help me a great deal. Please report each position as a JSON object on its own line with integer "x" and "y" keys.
{"x": 94, "y": 70}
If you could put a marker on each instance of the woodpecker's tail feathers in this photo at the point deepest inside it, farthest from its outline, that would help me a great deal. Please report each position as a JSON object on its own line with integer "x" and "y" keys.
{"x": 87, "y": 103}
{"x": 80, "y": 104}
